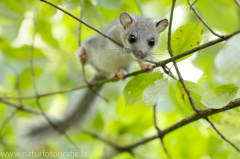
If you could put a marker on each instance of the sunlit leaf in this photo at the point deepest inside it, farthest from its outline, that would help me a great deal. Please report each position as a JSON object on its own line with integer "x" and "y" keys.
{"x": 133, "y": 91}
{"x": 186, "y": 37}
{"x": 219, "y": 96}
{"x": 196, "y": 92}
{"x": 155, "y": 92}
{"x": 216, "y": 18}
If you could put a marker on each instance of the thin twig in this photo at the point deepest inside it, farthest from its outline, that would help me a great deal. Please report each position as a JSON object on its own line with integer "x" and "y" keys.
{"x": 205, "y": 113}
{"x": 237, "y": 2}
{"x": 168, "y": 72}
{"x": 222, "y": 136}
{"x": 165, "y": 149}
{"x": 200, "y": 47}
{"x": 19, "y": 92}
{"x": 36, "y": 93}
{"x": 139, "y": 6}
{"x": 90, "y": 85}
{"x": 119, "y": 44}
{"x": 82, "y": 61}
{"x": 174, "y": 62}
{"x": 203, "y": 21}
{"x": 4, "y": 123}
{"x": 20, "y": 107}
{"x": 155, "y": 121}
{"x": 80, "y": 24}
{"x": 157, "y": 64}
{"x": 193, "y": 4}
{"x": 7, "y": 120}
{"x": 94, "y": 135}
{"x": 160, "y": 136}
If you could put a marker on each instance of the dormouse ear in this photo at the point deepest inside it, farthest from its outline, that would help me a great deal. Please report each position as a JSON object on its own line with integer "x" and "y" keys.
{"x": 161, "y": 25}
{"x": 125, "y": 19}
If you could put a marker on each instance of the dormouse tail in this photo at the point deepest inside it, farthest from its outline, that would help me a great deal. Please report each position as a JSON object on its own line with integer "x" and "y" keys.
{"x": 33, "y": 133}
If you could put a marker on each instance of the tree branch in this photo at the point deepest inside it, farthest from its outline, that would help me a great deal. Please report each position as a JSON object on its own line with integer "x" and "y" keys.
{"x": 174, "y": 63}
{"x": 7, "y": 120}
{"x": 36, "y": 93}
{"x": 237, "y": 2}
{"x": 88, "y": 25}
{"x": 193, "y": 4}
{"x": 222, "y": 136}
{"x": 160, "y": 136}
{"x": 113, "y": 145}
{"x": 20, "y": 107}
{"x": 203, "y": 21}
{"x": 157, "y": 64}
{"x": 139, "y": 6}
{"x": 82, "y": 61}
{"x": 19, "y": 92}
{"x": 200, "y": 47}
{"x": 80, "y": 24}
{"x": 205, "y": 113}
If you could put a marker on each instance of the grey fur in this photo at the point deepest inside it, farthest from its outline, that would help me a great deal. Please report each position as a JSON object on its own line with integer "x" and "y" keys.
{"x": 34, "y": 133}
{"x": 106, "y": 57}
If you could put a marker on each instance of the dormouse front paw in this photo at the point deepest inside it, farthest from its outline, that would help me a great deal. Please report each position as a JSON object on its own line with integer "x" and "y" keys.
{"x": 146, "y": 66}
{"x": 120, "y": 73}
{"x": 81, "y": 55}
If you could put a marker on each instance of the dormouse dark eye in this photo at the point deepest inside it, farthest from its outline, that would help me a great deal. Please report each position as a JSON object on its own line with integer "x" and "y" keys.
{"x": 132, "y": 39}
{"x": 151, "y": 42}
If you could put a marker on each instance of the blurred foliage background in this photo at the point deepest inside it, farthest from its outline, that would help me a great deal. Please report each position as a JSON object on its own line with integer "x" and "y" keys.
{"x": 57, "y": 68}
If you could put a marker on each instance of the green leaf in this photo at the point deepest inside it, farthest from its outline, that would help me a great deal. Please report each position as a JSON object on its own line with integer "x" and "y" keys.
{"x": 219, "y": 96}
{"x": 133, "y": 91}
{"x": 110, "y": 4}
{"x": 196, "y": 91}
{"x": 155, "y": 92}
{"x": 216, "y": 18}
{"x": 186, "y": 37}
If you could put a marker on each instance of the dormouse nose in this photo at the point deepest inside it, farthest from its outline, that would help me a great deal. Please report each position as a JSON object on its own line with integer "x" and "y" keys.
{"x": 141, "y": 55}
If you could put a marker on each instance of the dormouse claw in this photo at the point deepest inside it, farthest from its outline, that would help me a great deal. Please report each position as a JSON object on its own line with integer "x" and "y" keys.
{"x": 81, "y": 55}
{"x": 120, "y": 73}
{"x": 146, "y": 66}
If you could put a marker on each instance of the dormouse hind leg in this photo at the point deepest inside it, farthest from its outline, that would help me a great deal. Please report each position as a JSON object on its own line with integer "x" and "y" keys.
{"x": 81, "y": 55}
{"x": 120, "y": 73}
{"x": 146, "y": 66}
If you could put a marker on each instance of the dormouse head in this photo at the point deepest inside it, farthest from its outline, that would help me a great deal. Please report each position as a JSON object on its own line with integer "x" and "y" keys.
{"x": 141, "y": 34}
